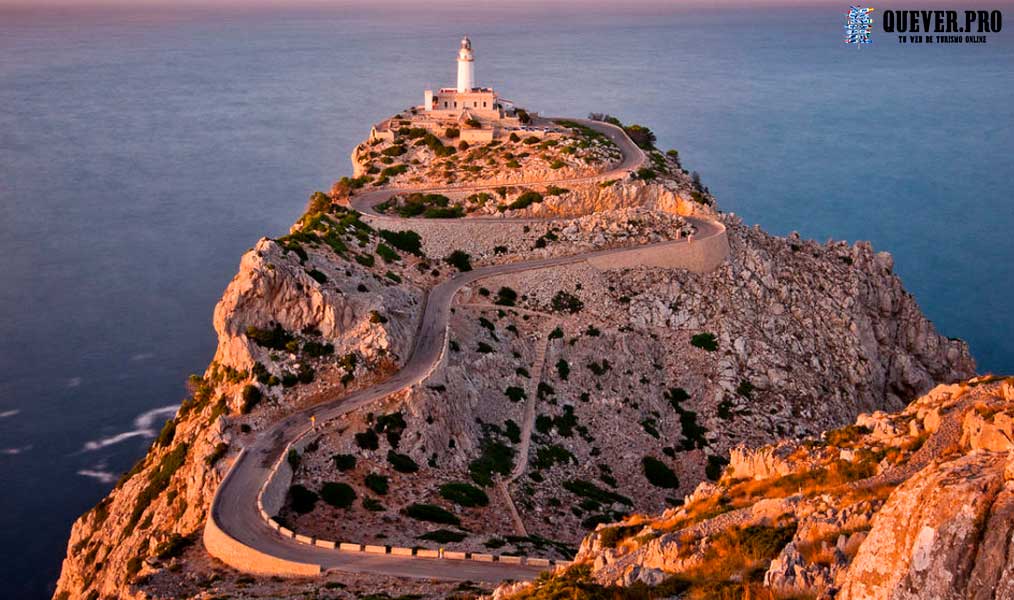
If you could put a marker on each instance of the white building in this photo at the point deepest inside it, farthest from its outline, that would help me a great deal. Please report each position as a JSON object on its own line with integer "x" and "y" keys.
{"x": 479, "y": 102}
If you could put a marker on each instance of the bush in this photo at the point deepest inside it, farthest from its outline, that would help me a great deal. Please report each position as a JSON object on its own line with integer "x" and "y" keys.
{"x": 641, "y": 135}
{"x": 563, "y": 368}
{"x": 676, "y": 397}
{"x": 339, "y": 495}
{"x": 406, "y": 241}
{"x": 385, "y": 252}
{"x": 344, "y": 462}
{"x": 557, "y": 164}
{"x": 443, "y": 536}
{"x": 275, "y": 338}
{"x": 609, "y": 537}
{"x": 251, "y": 396}
{"x": 659, "y": 474}
{"x": 464, "y": 494}
{"x": 515, "y": 393}
{"x": 220, "y": 449}
{"x": 705, "y": 341}
{"x": 452, "y": 132}
{"x": 506, "y": 297}
{"x": 587, "y": 489}
{"x": 377, "y": 483}
{"x": 715, "y": 467}
{"x": 165, "y": 437}
{"x": 402, "y": 463}
{"x": 460, "y": 260}
{"x": 525, "y": 200}
{"x": 496, "y": 457}
{"x": 372, "y": 504}
{"x": 301, "y": 499}
{"x": 368, "y": 440}
{"x": 566, "y": 302}
{"x": 396, "y": 150}
{"x": 431, "y": 513}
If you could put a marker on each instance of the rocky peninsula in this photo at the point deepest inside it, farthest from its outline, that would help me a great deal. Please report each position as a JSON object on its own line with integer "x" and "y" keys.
{"x": 552, "y": 348}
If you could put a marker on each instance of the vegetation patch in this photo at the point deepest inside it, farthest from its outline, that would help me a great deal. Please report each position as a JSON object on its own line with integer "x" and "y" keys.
{"x": 705, "y": 341}
{"x": 301, "y": 499}
{"x": 431, "y": 513}
{"x": 659, "y": 474}
{"x": 402, "y": 463}
{"x": 464, "y": 494}
{"x": 339, "y": 495}
{"x": 443, "y": 536}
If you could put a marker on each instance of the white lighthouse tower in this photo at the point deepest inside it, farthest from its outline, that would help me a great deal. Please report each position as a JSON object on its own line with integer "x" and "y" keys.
{"x": 466, "y": 66}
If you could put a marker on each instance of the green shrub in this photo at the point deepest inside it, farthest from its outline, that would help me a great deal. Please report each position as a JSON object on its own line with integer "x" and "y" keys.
{"x": 659, "y": 474}
{"x": 396, "y": 150}
{"x": 506, "y": 297}
{"x": 431, "y": 513}
{"x": 406, "y": 241}
{"x": 402, "y": 463}
{"x": 715, "y": 467}
{"x": 484, "y": 348}
{"x": 641, "y": 135}
{"x": 512, "y": 432}
{"x": 547, "y": 456}
{"x": 368, "y": 440}
{"x": 372, "y": 504}
{"x": 385, "y": 252}
{"x": 366, "y": 260}
{"x": 705, "y": 341}
{"x": 220, "y": 449}
{"x": 496, "y": 457}
{"x": 165, "y": 437}
{"x": 587, "y": 489}
{"x": 344, "y": 462}
{"x": 563, "y": 369}
{"x": 557, "y": 164}
{"x": 339, "y": 495}
{"x": 377, "y": 483}
{"x": 301, "y": 499}
{"x": 525, "y": 200}
{"x": 676, "y": 397}
{"x": 609, "y": 537}
{"x": 566, "y": 302}
{"x": 275, "y": 338}
{"x": 158, "y": 481}
{"x": 251, "y": 397}
{"x": 173, "y": 547}
{"x": 464, "y": 494}
{"x": 515, "y": 393}
{"x": 452, "y": 132}
{"x": 556, "y": 334}
{"x": 443, "y": 536}
{"x": 745, "y": 389}
{"x": 460, "y": 260}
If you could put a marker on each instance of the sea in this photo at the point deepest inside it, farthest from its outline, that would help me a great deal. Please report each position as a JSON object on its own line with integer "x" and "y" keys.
{"x": 144, "y": 149}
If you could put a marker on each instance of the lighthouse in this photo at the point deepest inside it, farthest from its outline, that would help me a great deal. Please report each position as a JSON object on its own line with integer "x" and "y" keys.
{"x": 466, "y": 66}
{"x": 466, "y": 101}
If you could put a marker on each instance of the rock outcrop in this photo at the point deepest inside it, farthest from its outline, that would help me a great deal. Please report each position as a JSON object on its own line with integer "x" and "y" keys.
{"x": 909, "y": 505}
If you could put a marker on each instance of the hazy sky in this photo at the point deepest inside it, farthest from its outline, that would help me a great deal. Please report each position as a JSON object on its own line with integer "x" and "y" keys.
{"x": 517, "y": 6}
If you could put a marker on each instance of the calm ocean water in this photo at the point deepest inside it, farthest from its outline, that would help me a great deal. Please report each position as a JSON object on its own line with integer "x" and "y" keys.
{"x": 141, "y": 154}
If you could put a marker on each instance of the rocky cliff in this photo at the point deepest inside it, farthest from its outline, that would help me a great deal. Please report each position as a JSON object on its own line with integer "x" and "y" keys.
{"x": 912, "y": 504}
{"x": 638, "y": 382}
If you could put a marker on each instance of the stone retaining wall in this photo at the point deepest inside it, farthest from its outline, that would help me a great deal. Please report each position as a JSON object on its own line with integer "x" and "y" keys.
{"x": 244, "y": 558}
{"x": 699, "y": 256}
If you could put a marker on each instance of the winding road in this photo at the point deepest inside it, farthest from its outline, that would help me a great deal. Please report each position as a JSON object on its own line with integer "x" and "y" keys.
{"x": 235, "y": 531}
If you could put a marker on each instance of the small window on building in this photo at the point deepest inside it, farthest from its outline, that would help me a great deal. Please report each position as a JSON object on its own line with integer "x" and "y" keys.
{"x": 475, "y": 104}
{"x": 484, "y": 105}
{"x": 445, "y": 105}
{"x": 455, "y": 104}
